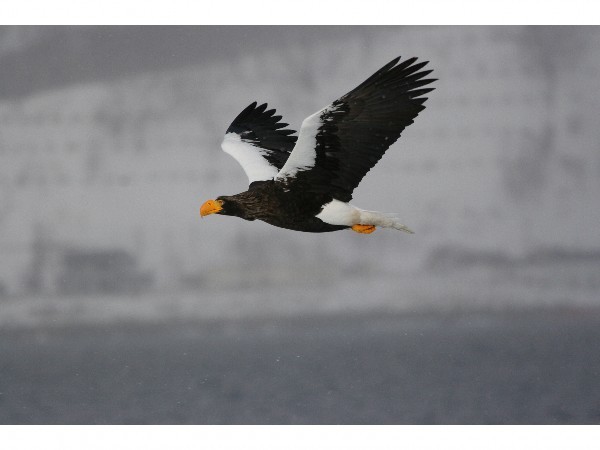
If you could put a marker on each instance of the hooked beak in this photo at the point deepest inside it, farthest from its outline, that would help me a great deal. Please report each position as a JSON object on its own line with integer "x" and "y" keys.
{"x": 210, "y": 207}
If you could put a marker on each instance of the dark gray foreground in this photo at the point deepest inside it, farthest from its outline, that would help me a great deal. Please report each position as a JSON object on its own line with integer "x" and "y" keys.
{"x": 534, "y": 367}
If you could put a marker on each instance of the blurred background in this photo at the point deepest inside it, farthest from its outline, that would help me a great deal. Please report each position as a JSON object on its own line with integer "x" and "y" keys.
{"x": 119, "y": 305}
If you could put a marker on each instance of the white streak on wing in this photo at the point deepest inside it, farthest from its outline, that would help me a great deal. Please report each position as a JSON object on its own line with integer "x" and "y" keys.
{"x": 250, "y": 157}
{"x": 304, "y": 154}
{"x": 339, "y": 213}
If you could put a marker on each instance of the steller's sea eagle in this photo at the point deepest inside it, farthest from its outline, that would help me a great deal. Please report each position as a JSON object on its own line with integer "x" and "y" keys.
{"x": 304, "y": 183}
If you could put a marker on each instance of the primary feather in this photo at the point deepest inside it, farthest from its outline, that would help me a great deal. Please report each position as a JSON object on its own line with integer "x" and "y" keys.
{"x": 259, "y": 142}
{"x": 340, "y": 143}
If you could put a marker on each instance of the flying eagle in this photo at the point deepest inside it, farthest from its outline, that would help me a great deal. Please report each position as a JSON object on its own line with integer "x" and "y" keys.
{"x": 305, "y": 183}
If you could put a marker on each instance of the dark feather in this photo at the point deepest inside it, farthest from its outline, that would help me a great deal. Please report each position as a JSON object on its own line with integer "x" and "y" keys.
{"x": 260, "y": 127}
{"x": 359, "y": 127}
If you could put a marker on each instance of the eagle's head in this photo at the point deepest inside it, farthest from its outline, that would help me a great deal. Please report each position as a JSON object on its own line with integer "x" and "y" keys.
{"x": 222, "y": 205}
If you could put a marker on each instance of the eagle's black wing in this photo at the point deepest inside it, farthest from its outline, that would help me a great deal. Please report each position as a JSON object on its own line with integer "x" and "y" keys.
{"x": 259, "y": 142}
{"x": 339, "y": 144}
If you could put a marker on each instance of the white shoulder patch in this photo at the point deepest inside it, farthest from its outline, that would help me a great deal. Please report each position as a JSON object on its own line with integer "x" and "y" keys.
{"x": 304, "y": 154}
{"x": 250, "y": 157}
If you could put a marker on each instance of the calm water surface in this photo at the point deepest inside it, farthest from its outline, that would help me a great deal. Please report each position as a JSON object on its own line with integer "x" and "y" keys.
{"x": 532, "y": 367}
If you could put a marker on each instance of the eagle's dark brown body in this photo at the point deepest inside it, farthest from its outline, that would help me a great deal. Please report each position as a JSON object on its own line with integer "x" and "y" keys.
{"x": 294, "y": 179}
{"x": 273, "y": 203}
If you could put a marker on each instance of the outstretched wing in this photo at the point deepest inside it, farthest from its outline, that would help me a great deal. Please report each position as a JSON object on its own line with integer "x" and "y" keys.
{"x": 339, "y": 144}
{"x": 259, "y": 142}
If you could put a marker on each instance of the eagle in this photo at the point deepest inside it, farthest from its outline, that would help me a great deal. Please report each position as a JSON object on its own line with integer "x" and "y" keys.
{"x": 305, "y": 182}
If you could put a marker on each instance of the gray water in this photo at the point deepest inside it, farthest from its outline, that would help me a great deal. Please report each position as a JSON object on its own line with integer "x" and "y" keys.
{"x": 537, "y": 367}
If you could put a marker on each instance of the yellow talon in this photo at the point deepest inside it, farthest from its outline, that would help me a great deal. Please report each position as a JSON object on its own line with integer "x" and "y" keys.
{"x": 364, "y": 229}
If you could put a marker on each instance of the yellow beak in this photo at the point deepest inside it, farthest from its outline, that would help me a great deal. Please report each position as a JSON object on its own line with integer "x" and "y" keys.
{"x": 210, "y": 207}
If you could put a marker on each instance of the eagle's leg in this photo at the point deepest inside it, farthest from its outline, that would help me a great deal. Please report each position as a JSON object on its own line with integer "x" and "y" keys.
{"x": 364, "y": 229}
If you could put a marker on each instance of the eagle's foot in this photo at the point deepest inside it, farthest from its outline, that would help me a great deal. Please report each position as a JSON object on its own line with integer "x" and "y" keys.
{"x": 364, "y": 229}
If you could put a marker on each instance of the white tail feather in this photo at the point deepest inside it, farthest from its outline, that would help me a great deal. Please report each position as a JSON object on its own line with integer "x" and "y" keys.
{"x": 384, "y": 220}
{"x": 342, "y": 213}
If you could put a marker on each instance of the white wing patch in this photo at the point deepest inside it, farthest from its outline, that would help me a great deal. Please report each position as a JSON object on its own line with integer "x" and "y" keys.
{"x": 304, "y": 154}
{"x": 251, "y": 158}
